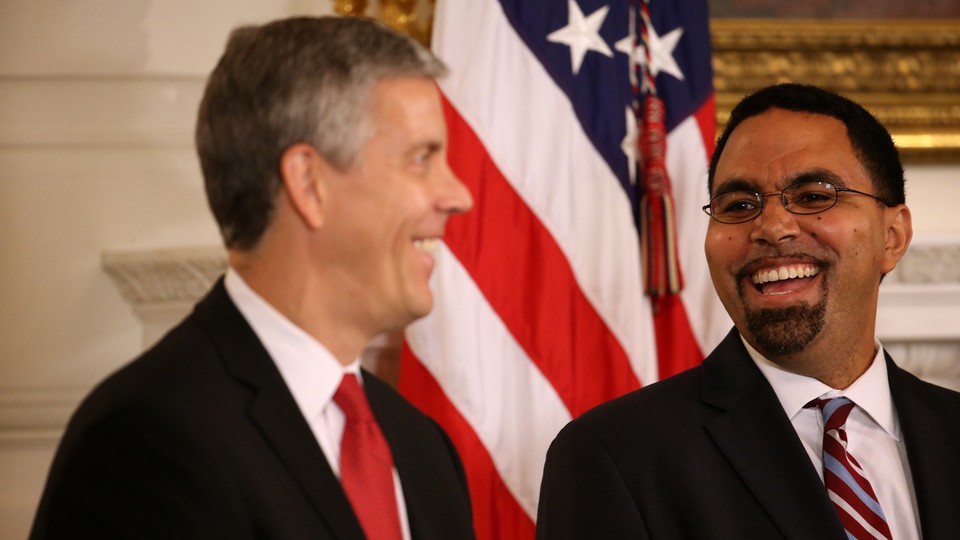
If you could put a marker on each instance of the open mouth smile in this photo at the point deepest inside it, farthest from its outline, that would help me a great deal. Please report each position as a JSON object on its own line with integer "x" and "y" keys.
{"x": 427, "y": 245}
{"x": 782, "y": 279}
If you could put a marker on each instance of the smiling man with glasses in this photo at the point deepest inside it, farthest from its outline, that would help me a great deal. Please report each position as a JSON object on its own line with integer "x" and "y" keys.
{"x": 798, "y": 425}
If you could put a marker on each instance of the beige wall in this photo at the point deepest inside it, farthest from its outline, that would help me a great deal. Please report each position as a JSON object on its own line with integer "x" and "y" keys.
{"x": 97, "y": 100}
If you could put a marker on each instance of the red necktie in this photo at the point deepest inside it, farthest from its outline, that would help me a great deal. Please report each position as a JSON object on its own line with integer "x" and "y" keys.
{"x": 848, "y": 488}
{"x": 366, "y": 465}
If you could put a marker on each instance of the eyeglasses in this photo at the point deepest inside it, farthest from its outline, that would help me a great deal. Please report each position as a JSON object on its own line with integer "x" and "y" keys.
{"x": 804, "y": 198}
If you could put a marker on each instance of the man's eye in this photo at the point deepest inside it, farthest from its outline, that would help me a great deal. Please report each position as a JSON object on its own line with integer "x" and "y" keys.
{"x": 812, "y": 198}
{"x": 738, "y": 205}
{"x": 420, "y": 159}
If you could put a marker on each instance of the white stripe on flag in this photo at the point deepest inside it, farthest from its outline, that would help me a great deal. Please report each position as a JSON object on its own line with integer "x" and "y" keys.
{"x": 556, "y": 170}
{"x": 512, "y": 408}
{"x": 687, "y": 161}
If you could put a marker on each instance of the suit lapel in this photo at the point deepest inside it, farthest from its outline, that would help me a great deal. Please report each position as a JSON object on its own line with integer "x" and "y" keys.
{"x": 759, "y": 441}
{"x": 275, "y": 413}
{"x": 929, "y": 429}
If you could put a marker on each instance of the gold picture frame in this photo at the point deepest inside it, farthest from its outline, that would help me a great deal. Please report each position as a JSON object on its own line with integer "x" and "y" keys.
{"x": 906, "y": 72}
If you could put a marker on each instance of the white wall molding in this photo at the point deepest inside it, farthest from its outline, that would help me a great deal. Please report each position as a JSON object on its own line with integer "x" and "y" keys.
{"x": 164, "y": 276}
{"x": 162, "y": 285}
{"x": 919, "y": 310}
{"x": 36, "y": 416}
{"x": 931, "y": 259}
{"x": 917, "y": 318}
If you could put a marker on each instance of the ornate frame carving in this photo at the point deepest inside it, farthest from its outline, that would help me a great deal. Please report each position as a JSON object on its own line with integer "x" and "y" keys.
{"x": 907, "y": 72}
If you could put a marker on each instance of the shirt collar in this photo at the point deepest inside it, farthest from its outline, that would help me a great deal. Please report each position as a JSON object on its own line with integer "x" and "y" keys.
{"x": 309, "y": 369}
{"x": 871, "y": 391}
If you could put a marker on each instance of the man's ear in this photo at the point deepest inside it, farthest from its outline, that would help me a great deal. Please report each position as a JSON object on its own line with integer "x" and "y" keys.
{"x": 899, "y": 232}
{"x": 303, "y": 173}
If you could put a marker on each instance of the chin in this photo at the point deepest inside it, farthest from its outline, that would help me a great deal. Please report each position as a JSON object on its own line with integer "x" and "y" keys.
{"x": 420, "y": 307}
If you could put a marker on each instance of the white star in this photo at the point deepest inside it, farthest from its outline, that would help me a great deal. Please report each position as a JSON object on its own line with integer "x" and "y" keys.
{"x": 582, "y": 34}
{"x": 625, "y": 46}
{"x": 635, "y": 53}
{"x": 661, "y": 52}
{"x": 629, "y": 145}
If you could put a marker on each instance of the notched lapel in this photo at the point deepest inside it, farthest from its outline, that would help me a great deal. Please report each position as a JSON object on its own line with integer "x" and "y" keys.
{"x": 437, "y": 503}
{"x": 275, "y": 413}
{"x": 760, "y": 443}
{"x": 929, "y": 428}
{"x": 290, "y": 437}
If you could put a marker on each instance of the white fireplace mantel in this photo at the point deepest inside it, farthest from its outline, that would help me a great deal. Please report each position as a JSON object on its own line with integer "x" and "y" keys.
{"x": 918, "y": 320}
{"x": 162, "y": 285}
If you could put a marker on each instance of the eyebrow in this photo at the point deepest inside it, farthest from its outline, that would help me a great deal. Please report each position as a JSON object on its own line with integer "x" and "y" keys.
{"x": 812, "y": 175}
{"x": 818, "y": 175}
{"x": 736, "y": 184}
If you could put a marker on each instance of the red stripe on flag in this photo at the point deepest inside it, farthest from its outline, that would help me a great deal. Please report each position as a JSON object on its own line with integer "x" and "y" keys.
{"x": 707, "y": 121}
{"x": 677, "y": 347}
{"x": 496, "y": 514}
{"x": 528, "y": 281}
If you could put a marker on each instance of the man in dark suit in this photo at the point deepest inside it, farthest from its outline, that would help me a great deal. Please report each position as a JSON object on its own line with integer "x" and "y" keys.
{"x": 322, "y": 144}
{"x": 808, "y": 215}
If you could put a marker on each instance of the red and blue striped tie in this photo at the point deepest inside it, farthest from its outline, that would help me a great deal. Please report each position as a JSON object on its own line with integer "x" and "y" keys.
{"x": 847, "y": 486}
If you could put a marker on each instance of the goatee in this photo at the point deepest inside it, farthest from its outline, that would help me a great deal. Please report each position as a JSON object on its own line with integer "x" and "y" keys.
{"x": 787, "y": 330}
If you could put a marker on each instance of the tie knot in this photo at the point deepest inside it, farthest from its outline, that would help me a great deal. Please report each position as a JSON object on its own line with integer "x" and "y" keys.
{"x": 834, "y": 411}
{"x": 351, "y": 399}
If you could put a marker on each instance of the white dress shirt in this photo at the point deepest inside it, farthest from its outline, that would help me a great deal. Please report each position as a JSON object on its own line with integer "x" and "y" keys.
{"x": 309, "y": 370}
{"x": 873, "y": 433}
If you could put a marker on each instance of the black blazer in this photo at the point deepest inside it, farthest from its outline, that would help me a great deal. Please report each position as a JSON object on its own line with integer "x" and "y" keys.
{"x": 710, "y": 454}
{"x": 201, "y": 439}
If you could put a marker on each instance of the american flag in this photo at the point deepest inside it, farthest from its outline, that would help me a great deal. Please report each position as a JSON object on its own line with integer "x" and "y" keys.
{"x": 540, "y": 304}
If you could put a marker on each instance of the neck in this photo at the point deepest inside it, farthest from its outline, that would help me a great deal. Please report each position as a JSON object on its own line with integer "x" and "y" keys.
{"x": 836, "y": 367}
{"x": 298, "y": 293}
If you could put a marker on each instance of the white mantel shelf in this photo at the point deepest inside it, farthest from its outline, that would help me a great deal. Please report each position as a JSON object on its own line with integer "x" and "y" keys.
{"x": 919, "y": 301}
{"x": 918, "y": 320}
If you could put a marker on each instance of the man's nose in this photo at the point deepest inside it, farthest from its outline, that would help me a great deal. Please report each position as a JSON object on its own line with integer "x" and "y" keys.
{"x": 775, "y": 224}
{"x": 455, "y": 197}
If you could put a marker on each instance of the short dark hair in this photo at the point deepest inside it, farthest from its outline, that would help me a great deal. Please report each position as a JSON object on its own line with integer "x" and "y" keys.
{"x": 870, "y": 140}
{"x": 297, "y": 80}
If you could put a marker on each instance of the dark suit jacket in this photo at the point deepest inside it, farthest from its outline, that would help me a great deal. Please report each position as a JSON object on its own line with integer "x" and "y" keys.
{"x": 710, "y": 453}
{"x": 200, "y": 438}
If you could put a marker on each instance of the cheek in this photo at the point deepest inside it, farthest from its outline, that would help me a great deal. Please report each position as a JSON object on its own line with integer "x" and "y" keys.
{"x": 721, "y": 247}
{"x": 855, "y": 245}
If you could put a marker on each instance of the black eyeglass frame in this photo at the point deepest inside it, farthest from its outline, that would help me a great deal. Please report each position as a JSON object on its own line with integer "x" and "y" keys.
{"x": 762, "y": 197}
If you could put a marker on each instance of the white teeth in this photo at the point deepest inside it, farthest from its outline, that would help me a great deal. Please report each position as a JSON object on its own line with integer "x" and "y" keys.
{"x": 785, "y": 272}
{"x": 427, "y": 245}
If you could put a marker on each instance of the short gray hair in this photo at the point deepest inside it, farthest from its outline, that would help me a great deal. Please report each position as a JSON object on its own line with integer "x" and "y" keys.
{"x": 298, "y": 80}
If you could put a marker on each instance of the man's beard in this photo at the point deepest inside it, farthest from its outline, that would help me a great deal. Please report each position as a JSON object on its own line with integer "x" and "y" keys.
{"x": 788, "y": 330}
